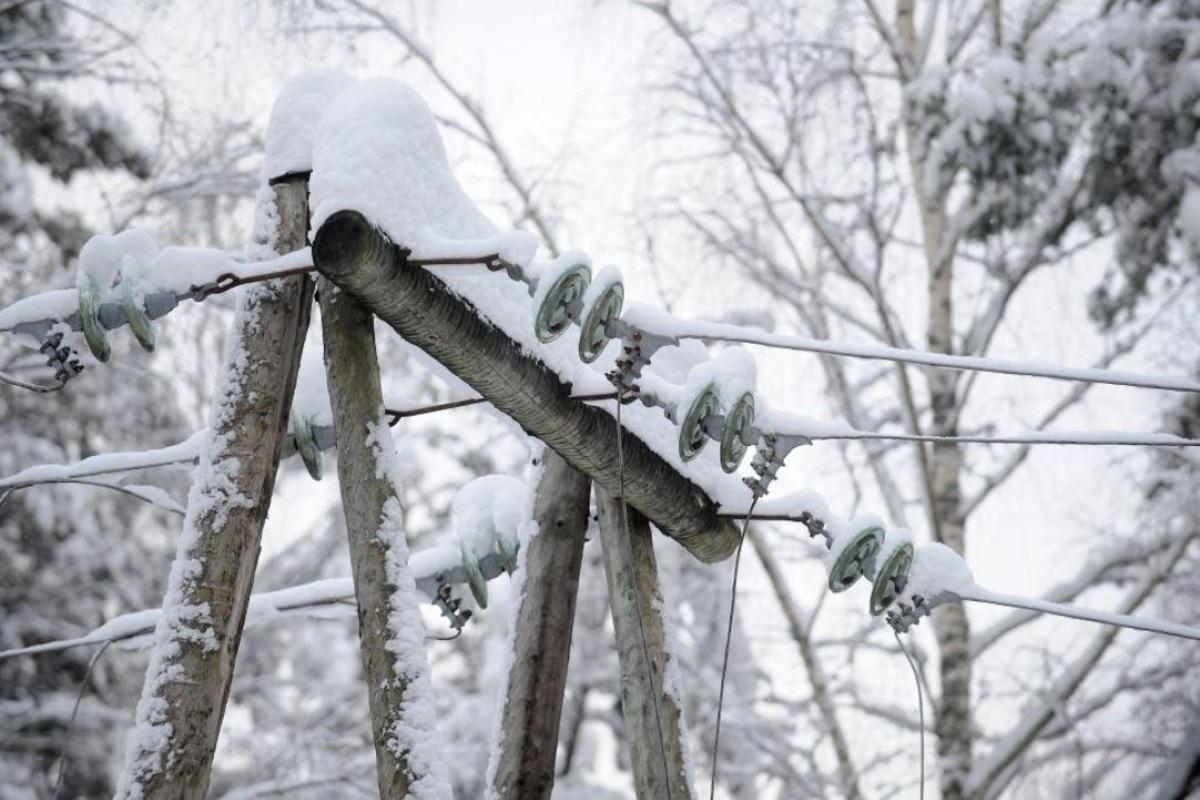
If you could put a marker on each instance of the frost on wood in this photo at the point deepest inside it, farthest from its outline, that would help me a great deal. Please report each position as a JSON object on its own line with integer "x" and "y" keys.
{"x": 414, "y": 723}
{"x": 208, "y": 591}
{"x": 399, "y": 693}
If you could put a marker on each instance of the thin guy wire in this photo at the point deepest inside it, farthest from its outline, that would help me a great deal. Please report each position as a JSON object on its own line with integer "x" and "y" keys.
{"x": 227, "y": 281}
{"x": 62, "y": 763}
{"x": 637, "y": 598}
{"x": 737, "y": 562}
{"x": 398, "y": 414}
{"x": 920, "y": 705}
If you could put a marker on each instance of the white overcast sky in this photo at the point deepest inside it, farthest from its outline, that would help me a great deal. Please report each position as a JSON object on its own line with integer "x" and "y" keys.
{"x": 570, "y": 79}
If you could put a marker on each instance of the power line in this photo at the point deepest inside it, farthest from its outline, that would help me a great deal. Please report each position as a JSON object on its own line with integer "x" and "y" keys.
{"x": 1083, "y": 438}
{"x": 1074, "y": 612}
{"x": 978, "y": 594}
{"x": 723, "y": 332}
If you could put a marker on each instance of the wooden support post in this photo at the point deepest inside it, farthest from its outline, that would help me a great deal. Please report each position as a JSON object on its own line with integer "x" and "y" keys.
{"x": 196, "y": 642}
{"x": 657, "y": 739}
{"x": 362, "y": 262}
{"x": 389, "y": 623}
{"x": 544, "y": 618}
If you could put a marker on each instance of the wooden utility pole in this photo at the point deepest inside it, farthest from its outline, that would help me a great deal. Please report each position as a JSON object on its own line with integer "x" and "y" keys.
{"x": 355, "y": 256}
{"x": 187, "y": 682}
{"x": 402, "y": 713}
{"x": 541, "y": 641}
{"x": 657, "y": 740}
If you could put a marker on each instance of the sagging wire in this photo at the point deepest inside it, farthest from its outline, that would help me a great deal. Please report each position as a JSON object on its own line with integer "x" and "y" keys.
{"x": 655, "y": 692}
{"x": 62, "y": 763}
{"x": 920, "y": 706}
{"x": 125, "y": 490}
{"x": 737, "y": 563}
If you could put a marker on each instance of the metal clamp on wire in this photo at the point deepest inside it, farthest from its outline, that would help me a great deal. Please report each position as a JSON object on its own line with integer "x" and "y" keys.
{"x": 773, "y": 448}
{"x": 513, "y": 271}
{"x": 904, "y": 616}
{"x": 816, "y": 527}
{"x": 910, "y": 608}
{"x": 63, "y": 360}
{"x": 449, "y": 605}
{"x": 637, "y": 348}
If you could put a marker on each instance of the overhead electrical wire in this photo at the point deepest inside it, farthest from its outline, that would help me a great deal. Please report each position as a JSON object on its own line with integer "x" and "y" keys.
{"x": 722, "y": 332}
{"x": 1082, "y": 438}
{"x": 1075, "y": 612}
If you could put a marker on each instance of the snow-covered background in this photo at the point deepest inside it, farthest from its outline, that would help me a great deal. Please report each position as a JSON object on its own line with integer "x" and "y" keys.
{"x": 749, "y": 162}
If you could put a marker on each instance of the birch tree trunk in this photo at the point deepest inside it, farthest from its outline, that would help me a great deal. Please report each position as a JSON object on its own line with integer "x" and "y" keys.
{"x": 633, "y": 591}
{"x": 950, "y": 621}
{"x": 944, "y": 479}
{"x": 541, "y": 639}
{"x": 171, "y": 747}
{"x": 403, "y": 715}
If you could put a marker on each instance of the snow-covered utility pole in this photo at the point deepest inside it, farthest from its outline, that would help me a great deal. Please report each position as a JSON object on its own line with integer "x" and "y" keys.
{"x": 170, "y": 751}
{"x": 650, "y": 698}
{"x": 391, "y": 636}
{"x": 543, "y": 618}
{"x": 360, "y": 260}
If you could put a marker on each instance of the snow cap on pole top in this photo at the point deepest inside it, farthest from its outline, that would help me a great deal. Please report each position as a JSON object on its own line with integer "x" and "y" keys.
{"x": 378, "y": 152}
{"x": 295, "y": 116}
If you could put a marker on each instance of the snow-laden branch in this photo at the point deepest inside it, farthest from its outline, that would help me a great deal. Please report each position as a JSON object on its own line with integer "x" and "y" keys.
{"x": 184, "y": 452}
{"x": 153, "y": 495}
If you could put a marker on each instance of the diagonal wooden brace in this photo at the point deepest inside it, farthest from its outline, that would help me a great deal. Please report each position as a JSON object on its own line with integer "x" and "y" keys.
{"x": 361, "y": 261}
